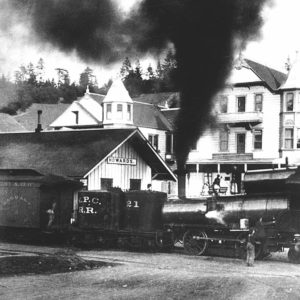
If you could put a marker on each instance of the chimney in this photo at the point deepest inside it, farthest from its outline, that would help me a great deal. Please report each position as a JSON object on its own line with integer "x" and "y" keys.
{"x": 39, "y": 125}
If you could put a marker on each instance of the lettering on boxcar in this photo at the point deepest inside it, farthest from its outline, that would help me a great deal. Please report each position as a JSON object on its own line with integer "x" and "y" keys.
{"x": 89, "y": 205}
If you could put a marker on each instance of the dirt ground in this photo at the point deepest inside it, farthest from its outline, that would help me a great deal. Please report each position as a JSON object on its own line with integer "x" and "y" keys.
{"x": 60, "y": 262}
{"x": 158, "y": 276}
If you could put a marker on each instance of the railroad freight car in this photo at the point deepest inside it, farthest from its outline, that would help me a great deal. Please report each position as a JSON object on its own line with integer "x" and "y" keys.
{"x": 32, "y": 204}
{"x": 131, "y": 218}
{"x": 220, "y": 225}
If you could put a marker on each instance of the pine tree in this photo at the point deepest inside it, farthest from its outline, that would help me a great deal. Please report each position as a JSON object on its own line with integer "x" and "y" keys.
{"x": 126, "y": 68}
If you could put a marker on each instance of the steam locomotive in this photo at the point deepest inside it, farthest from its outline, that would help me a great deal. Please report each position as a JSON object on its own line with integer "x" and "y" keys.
{"x": 220, "y": 225}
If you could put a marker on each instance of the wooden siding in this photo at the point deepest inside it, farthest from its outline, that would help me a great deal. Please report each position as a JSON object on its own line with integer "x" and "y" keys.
{"x": 121, "y": 174}
{"x": 209, "y": 144}
{"x": 161, "y": 139}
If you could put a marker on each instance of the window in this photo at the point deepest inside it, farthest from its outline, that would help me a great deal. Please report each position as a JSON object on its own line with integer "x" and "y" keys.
{"x": 289, "y": 102}
{"x": 194, "y": 145}
{"x": 108, "y": 111}
{"x": 289, "y": 138}
{"x": 153, "y": 140}
{"x": 169, "y": 148}
{"x": 76, "y": 112}
{"x": 119, "y": 111}
{"x": 298, "y": 138}
{"x": 135, "y": 184}
{"x": 241, "y": 101}
{"x": 223, "y": 140}
{"x": 128, "y": 112}
{"x": 258, "y": 102}
{"x": 106, "y": 183}
{"x": 223, "y": 104}
{"x": 257, "y": 136}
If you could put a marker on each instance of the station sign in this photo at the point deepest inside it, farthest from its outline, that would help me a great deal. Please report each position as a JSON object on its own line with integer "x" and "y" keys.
{"x": 122, "y": 161}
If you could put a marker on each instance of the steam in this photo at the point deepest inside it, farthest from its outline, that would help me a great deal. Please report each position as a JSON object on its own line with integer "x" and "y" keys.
{"x": 205, "y": 35}
{"x": 216, "y": 215}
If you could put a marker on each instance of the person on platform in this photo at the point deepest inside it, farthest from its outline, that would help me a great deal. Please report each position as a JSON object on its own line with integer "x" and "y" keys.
{"x": 216, "y": 185}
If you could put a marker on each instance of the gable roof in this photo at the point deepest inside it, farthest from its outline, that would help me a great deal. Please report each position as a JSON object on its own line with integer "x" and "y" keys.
{"x": 293, "y": 79}
{"x": 148, "y": 115}
{"x": 171, "y": 115}
{"x": 72, "y": 153}
{"x": 159, "y": 99}
{"x": 274, "y": 79}
{"x": 9, "y": 124}
{"x": 97, "y": 97}
{"x": 50, "y": 112}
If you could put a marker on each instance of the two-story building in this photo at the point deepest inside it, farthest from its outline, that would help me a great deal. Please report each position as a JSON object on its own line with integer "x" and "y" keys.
{"x": 256, "y": 123}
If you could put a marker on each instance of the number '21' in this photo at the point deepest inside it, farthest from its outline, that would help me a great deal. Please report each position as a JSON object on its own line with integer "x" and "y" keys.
{"x": 134, "y": 204}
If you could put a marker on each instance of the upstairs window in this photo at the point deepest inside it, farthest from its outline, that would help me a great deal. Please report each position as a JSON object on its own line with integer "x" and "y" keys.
{"x": 289, "y": 102}
{"x": 108, "y": 111}
{"x": 169, "y": 143}
{"x": 224, "y": 140}
{"x": 128, "y": 112}
{"x": 194, "y": 145}
{"x": 258, "y": 102}
{"x": 119, "y": 111}
{"x": 241, "y": 102}
{"x": 223, "y": 104}
{"x": 289, "y": 138}
{"x": 153, "y": 140}
{"x": 257, "y": 136}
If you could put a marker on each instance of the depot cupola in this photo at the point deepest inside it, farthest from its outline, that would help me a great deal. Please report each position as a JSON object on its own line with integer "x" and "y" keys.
{"x": 117, "y": 106}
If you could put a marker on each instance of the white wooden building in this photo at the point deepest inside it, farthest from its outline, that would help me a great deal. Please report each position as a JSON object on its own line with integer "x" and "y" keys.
{"x": 100, "y": 158}
{"x": 250, "y": 132}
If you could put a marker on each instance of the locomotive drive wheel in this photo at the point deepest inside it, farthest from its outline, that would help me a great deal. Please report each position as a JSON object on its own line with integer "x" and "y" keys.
{"x": 192, "y": 242}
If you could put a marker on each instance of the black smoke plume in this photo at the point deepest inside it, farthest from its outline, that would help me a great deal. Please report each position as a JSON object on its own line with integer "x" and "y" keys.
{"x": 205, "y": 35}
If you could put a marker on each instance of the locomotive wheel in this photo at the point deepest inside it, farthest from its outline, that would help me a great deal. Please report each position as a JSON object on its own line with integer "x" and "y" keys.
{"x": 192, "y": 244}
{"x": 294, "y": 256}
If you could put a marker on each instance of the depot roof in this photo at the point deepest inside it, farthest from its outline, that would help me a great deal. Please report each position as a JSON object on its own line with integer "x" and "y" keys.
{"x": 73, "y": 153}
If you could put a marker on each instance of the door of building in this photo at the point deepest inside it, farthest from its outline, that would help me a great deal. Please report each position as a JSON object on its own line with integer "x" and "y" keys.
{"x": 241, "y": 142}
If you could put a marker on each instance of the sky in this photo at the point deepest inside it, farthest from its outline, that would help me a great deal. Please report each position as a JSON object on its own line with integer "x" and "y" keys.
{"x": 279, "y": 40}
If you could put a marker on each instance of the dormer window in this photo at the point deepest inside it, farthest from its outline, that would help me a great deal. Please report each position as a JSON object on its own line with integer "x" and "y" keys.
{"x": 289, "y": 102}
{"x": 119, "y": 111}
{"x": 128, "y": 112}
{"x": 108, "y": 111}
{"x": 76, "y": 112}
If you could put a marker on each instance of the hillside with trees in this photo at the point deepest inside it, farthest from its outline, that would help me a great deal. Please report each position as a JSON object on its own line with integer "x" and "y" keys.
{"x": 30, "y": 86}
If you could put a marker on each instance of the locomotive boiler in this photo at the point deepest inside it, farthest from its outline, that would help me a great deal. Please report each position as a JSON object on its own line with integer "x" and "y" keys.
{"x": 220, "y": 225}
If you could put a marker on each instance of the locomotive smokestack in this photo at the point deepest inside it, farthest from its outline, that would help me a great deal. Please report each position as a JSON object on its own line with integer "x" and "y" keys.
{"x": 181, "y": 185}
{"x": 39, "y": 125}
